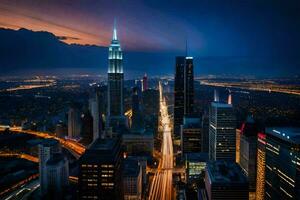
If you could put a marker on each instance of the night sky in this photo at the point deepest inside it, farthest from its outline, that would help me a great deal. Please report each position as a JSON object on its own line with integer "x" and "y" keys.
{"x": 225, "y": 37}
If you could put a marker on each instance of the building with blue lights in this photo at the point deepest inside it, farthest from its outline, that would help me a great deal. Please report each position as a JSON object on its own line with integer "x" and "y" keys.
{"x": 115, "y": 81}
{"x": 282, "y": 164}
{"x": 222, "y": 132}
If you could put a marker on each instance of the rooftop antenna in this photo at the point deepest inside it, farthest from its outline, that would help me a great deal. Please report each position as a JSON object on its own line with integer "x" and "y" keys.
{"x": 115, "y": 30}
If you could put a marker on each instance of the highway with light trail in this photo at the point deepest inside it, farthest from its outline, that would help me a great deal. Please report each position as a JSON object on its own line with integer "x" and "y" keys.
{"x": 161, "y": 187}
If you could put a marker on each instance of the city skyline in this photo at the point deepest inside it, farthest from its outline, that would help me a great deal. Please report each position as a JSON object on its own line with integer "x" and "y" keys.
{"x": 136, "y": 116}
{"x": 257, "y": 38}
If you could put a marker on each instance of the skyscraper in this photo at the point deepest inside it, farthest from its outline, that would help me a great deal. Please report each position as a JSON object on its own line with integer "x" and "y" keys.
{"x": 97, "y": 108}
{"x": 115, "y": 81}
{"x": 100, "y": 170}
{"x": 145, "y": 83}
{"x": 282, "y": 178}
{"x": 183, "y": 91}
{"x": 137, "y": 117}
{"x": 132, "y": 179}
{"x": 74, "y": 122}
{"x": 261, "y": 165}
{"x": 248, "y": 152}
{"x": 47, "y": 148}
{"x": 191, "y": 135}
{"x": 57, "y": 172}
{"x": 222, "y": 133}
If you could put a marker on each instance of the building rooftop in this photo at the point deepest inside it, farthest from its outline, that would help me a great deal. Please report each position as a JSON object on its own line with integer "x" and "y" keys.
{"x": 196, "y": 157}
{"x": 288, "y": 134}
{"x": 225, "y": 172}
{"x": 102, "y": 150}
{"x": 131, "y": 168}
{"x": 55, "y": 159}
{"x": 221, "y": 105}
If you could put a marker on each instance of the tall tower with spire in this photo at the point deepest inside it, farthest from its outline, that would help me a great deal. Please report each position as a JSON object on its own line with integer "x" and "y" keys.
{"x": 115, "y": 80}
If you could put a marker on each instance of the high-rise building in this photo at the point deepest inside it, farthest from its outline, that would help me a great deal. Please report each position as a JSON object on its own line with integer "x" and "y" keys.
{"x": 225, "y": 180}
{"x": 195, "y": 164}
{"x": 222, "y": 132}
{"x": 248, "y": 153}
{"x": 47, "y": 148}
{"x": 137, "y": 118}
{"x": 115, "y": 82}
{"x": 237, "y": 145}
{"x": 145, "y": 83}
{"x": 261, "y": 165}
{"x": 61, "y": 129}
{"x": 183, "y": 91}
{"x": 191, "y": 135}
{"x": 97, "y": 108}
{"x": 205, "y": 130}
{"x": 100, "y": 170}
{"x": 87, "y": 127}
{"x": 132, "y": 179}
{"x": 282, "y": 178}
{"x": 57, "y": 172}
{"x": 74, "y": 122}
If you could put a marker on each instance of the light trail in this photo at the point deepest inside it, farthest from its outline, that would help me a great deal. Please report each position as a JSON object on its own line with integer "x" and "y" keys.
{"x": 263, "y": 87}
{"x": 20, "y": 155}
{"x": 161, "y": 187}
{"x": 74, "y": 147}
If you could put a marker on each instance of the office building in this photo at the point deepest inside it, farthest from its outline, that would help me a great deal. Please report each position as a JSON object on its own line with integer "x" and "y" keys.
{"x": 145, "y": 83}
{"x": 183, "y": 91}
{"x": 222, "y": 132}
{"x": 100, "y": 170}
{"x": 248, "y": 152}
{"x": 261, "y": 165}
{"x": 97, "y": 109}
{"x": 195, "y": 164}
{"x": 205, "y": 130}
{"x": 132, "y": 180}
{"x": 57, "y": 172}
{"x": 137, "y": 123}
{"x": 191, "y": 135}
{"x": 115, "y": 82}
{"x": 47, "y": 148}
{"x": 237, "y": 145}
{"x": 87, "y": 127}
{"x": 282, "y": 178}
{"x": 225, "y": 180}
{"x": 74, "y": 122}
{"x": 138, "y": 143}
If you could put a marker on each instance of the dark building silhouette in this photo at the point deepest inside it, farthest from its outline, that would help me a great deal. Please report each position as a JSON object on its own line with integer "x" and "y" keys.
{"x": 137, "y": 118}
{"x": 145, "y": 83}
{"x": 191, "y": 135}
{"x": 99, "y": 170}
{"x": 205, "y": 129}
{"x": 225, "y": 180}
{"x": 183, "y": 91}
{"x": 87, "y": 127}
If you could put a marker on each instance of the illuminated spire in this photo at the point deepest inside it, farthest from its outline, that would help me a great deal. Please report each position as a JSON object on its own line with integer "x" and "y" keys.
{"x": 229, "y": 98}
{"x": 115, "y": 31}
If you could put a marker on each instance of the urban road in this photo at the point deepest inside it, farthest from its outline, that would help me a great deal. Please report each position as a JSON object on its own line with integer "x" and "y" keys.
{"x": 161, "y": 187}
